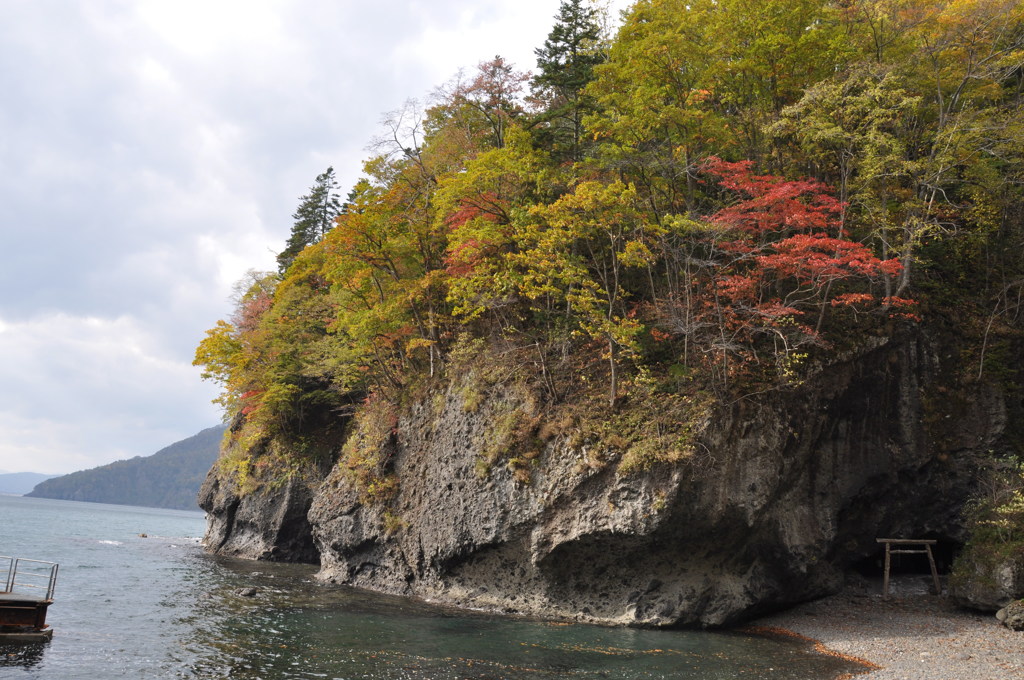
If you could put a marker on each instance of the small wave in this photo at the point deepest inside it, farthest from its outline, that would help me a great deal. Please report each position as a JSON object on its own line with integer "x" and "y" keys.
{"x": 111, "y": 543}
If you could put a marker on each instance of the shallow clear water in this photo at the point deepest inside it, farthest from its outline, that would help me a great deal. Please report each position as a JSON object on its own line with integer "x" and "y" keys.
{"x": 158, "y": 607}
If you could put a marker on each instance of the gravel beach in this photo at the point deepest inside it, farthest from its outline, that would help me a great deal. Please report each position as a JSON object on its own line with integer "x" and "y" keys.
{"x": 912, "y": 635}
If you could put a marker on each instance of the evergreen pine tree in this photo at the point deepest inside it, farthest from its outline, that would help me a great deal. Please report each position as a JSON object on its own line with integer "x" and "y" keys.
{"x": 565, "y": 65}
{"x": 313, "y": 218}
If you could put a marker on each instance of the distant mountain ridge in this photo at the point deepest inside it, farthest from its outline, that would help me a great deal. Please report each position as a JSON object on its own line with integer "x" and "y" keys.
{"x": 21, "y": 482}
{"x": 170, "y": 478}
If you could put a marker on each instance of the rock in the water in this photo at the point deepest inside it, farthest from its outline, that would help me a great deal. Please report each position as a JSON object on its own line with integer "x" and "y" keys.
{"x": 262, "y": 519}
{"x": 247, "y": 592}
{"x": 268, "y": 523}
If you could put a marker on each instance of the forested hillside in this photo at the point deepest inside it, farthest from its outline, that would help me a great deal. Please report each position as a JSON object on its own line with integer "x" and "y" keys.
{"x": 170, "y": 478}
{"x": 798, "y": 219}
{"x": 709, "y": 205}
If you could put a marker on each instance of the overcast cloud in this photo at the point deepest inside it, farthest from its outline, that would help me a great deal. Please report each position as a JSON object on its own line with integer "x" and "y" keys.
{"x": 151, "y": 151}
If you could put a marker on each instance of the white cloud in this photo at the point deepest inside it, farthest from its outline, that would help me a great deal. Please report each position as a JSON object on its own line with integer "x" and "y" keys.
{"x": 90, "y": 389}
{"x": 208, "y": 30}
{"x": 151, "y": 152}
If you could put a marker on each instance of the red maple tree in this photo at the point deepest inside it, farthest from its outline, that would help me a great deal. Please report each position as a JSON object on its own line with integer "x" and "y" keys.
{"x": 776, "y": 261}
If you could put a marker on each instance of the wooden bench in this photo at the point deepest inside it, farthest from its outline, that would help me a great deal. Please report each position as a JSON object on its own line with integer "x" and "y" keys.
{"x": 908, "y": 546}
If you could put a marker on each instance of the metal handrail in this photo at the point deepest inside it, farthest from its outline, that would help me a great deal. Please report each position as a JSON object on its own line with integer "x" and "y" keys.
{"x": 16, "y": 572}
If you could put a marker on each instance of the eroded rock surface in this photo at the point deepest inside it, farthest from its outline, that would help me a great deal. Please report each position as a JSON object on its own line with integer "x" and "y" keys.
{"x": 784, "y": 492}
{"x": 269, "y": 523}
{"x": 782, "y": 495}
{"x": 991, "y": 583}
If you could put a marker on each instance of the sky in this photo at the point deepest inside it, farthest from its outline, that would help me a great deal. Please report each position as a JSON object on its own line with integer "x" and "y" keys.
{"x": 153, "y": 151}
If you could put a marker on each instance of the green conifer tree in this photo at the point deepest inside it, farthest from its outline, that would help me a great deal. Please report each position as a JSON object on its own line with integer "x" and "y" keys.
{"x": 565, "y": 65}
{"x": 313, "y": 218}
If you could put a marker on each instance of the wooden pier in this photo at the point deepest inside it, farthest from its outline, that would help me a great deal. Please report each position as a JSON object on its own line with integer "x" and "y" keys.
{"x": 27, "y": 594}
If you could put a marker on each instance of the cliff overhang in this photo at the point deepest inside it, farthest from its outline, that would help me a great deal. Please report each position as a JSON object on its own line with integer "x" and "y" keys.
{"x": 777, "y": 497}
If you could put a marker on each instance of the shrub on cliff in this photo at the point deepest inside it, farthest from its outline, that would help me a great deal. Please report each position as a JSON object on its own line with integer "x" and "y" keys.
{"x": 989, "y": 572}
{"x": 759, "y": 187}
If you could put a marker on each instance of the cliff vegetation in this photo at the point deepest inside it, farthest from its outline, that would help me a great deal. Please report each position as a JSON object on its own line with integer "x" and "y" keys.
{"x": 691, "y": 223}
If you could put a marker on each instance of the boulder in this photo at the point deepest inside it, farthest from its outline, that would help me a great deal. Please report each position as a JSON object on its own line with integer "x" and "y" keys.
{"x": 1013, "y": 615}
{"x": 984, "y": 582}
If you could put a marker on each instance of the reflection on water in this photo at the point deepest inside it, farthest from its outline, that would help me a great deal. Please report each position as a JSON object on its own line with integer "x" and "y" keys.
{"x": 21, "y": 655}
{"x": 296, "y": 628}
{"x": 158, "y": 607}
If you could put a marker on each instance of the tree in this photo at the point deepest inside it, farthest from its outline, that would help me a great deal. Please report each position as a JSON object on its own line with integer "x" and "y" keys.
{"x": 766, "y": 52}
{"x": 313, "y": 218}
{"x": 228, "y": 354}
{"x": 854, "y": 129}
{"x": 922, "y": 135}
{"x": 688, "y": 78}
{"x": 591, "y": 242}
{"x": 603, "y": 233}
{"x": 565, "y": 66}
{"x": 483, "y": 209}
{"x": 656, "y": 117}
{"x": 493, "y": 96}
{"x": 777, "y": 259}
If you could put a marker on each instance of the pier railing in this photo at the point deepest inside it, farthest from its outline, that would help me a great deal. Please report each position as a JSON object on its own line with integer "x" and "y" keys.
{"x": 30, "y": 577}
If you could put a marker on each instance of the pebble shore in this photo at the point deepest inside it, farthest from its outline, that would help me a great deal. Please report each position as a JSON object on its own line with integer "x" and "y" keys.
{"x": 909, "y": 636}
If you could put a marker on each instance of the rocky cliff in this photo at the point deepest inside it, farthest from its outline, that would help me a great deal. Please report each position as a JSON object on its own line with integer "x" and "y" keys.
{"x": 780, "y": 494}
{"x": 268, "y": 523}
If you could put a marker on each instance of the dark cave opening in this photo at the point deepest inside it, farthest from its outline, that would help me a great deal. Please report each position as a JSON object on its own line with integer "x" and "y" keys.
{"x": 944, "y": 551}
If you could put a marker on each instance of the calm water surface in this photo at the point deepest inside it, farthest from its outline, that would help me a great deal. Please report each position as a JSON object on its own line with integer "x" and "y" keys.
{"x": 158, "y": 607}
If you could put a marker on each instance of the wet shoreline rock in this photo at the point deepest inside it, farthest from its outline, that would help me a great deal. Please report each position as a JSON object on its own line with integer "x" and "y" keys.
{"x": 784, "y": 493}
{"x": 268, "y": 523}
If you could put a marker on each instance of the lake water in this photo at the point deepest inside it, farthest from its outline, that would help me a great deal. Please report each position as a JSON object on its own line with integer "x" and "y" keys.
{"x": 158, "y": 607}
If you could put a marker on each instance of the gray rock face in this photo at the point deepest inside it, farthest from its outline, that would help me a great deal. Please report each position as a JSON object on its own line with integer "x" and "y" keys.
{"x": 782, "y": 495}
{"x": 993, "y": 583}
{"x": 267, "y": 524}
